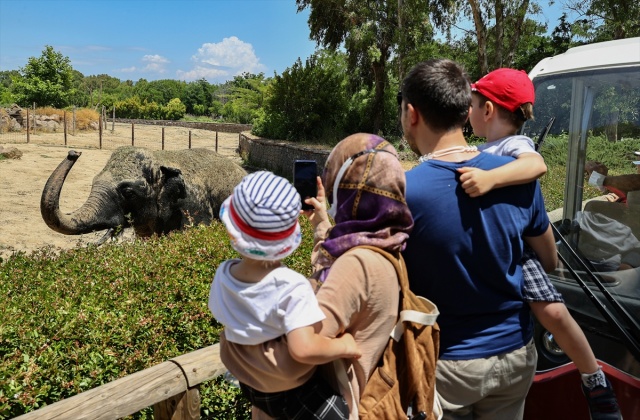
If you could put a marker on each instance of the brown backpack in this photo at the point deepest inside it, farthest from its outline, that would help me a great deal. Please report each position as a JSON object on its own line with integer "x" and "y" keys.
{"x": 403, "y": 384}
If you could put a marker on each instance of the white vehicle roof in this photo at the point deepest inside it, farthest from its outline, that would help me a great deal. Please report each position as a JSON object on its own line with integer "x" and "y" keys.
{"x": 618, "y": 53}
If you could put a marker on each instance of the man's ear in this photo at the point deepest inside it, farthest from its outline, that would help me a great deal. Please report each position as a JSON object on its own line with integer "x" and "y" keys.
{"x": 413, "y": 114}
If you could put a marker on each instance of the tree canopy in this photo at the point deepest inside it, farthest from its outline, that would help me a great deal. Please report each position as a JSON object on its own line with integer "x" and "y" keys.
{"x": 46, "y": 80}
{"x": 364, "y": 50}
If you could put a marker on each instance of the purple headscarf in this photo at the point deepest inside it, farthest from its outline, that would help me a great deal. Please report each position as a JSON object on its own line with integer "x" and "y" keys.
{"x": 372, "y": 209}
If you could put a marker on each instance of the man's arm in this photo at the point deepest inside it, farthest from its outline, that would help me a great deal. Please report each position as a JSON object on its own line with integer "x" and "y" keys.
{"x": 545, "y": 248}
{"x": 526, "y": 168}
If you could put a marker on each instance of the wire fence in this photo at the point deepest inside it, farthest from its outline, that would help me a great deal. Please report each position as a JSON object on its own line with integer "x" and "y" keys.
{"x": 113, "y": 135}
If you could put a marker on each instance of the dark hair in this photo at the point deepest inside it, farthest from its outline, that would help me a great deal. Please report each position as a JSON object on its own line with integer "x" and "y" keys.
{"x": 440, "y": 90}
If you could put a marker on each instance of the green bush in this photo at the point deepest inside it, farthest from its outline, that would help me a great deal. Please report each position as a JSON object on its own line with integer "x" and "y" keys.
{"x": 174, "y": 110}
{"x": 134, "y": 108}
{"x": 77, "y": 319}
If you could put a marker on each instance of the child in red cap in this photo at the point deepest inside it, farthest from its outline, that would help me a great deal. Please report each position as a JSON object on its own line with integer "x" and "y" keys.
{"x": 501, "y": 102}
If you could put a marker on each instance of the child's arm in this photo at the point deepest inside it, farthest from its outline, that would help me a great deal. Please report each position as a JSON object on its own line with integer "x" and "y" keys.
{"x": 545, "y": 248}
{"x": 307, "y": 346}
{"x": 526, "y": 168}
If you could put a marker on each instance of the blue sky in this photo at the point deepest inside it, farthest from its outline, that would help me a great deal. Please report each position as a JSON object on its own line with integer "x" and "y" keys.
{"x": 157, "y": 39}
{"x": 161, "y": 39}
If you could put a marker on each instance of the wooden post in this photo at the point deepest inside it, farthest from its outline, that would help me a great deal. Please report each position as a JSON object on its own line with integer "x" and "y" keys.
{"x": 27, "y": 125}
{"x": 162, "y": 138}
{"x": 64, "y": 119}
{"x": 189, "y": 139}
{"x": 113, "y": 120}
{"x": 132, "y": 133}
{"x": 34, "y": 118}
{"x": 73, "y": 126}
{"x": 216, "y": 142}
{"x": 184, "y": 406}
{"x": 100, "y": 131}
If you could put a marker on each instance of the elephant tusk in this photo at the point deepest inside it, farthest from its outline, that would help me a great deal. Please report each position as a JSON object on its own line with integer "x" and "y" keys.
{"x": 110, "y": 233}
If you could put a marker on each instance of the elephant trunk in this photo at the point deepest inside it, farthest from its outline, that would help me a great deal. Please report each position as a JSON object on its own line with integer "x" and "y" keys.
{"x": 99, "y": 212}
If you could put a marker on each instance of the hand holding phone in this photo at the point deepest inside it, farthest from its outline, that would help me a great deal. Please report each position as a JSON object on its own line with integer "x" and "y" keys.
{"x": 305, "y": 173}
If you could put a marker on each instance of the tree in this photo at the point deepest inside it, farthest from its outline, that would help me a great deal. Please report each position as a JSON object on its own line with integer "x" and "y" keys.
{"x": 197, "y": 97}
{"x": 6, "y": 86}
{"x": 498, "y": 28}
{"x": 245, "y": 98}
{"x": 307, "y": 102}
{"x": 603, "y": 20}
{"x": 47, "y": 80}
{"x": 159, "y": 91}
{"x": 371, "y": 33}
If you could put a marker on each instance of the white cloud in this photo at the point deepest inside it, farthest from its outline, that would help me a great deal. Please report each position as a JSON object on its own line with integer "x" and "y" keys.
{"x": 128, "y": 69}
{"x": 223, "y": 60}
{"x": 155, "y": 64}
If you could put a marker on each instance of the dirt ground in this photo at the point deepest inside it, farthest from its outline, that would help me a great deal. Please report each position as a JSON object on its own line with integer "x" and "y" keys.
{"x": 22, "y": 180}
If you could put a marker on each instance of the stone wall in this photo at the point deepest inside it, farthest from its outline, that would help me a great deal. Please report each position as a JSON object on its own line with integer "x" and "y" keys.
{"x": 211, "y": 126}
{"x": 278, "y": 156}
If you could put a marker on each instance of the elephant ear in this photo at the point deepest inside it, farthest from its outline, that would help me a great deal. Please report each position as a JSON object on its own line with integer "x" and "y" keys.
{"x": 172, "y": 191}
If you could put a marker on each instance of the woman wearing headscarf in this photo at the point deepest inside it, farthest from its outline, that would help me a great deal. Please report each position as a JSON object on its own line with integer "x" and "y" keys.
{"x": 357, "y": 288}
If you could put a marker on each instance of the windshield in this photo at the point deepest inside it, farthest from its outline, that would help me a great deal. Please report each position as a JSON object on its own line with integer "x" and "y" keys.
{"x": 598, "y": 224}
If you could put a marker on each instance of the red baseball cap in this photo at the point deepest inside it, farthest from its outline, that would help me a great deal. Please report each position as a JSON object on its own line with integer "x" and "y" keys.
{"x": 508, "y": 88}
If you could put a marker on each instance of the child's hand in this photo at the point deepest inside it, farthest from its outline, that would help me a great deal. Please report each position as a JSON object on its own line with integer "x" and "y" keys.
{"x": 475, "y": 181}
{"x": 351, "y": 348}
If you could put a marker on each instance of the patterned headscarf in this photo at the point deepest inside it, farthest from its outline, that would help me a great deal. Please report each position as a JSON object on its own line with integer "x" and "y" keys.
{"x": 371, "y": 205}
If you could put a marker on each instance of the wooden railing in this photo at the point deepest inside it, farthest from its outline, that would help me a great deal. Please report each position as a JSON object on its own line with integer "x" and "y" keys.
{"x": 172, "y": 388}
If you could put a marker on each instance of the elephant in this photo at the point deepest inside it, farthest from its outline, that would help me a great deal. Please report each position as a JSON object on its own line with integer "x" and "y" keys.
{"x": 155, "y": 192}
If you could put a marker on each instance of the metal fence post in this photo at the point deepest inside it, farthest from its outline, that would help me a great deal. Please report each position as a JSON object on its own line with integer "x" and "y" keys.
{"x": 162, "y": 138}
{"x": 28, "y": 125}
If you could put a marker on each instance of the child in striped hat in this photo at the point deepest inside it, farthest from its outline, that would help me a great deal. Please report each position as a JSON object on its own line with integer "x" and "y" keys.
{"x": 258, "y": 299}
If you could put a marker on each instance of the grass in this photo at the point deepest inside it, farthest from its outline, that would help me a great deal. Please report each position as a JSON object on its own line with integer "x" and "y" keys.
{"x": 73, "y": 320}
{"x": 76, "y": 319}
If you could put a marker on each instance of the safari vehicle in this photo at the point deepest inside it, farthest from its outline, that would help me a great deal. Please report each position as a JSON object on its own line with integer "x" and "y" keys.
{"x": 588, "y": 92}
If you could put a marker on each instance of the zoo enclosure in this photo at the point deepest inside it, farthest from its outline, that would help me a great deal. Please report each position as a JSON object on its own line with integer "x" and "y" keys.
{"x": 111, "y": 133}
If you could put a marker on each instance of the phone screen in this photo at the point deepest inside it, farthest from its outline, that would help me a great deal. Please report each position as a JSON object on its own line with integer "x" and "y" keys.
{"x": 304, "y": 180}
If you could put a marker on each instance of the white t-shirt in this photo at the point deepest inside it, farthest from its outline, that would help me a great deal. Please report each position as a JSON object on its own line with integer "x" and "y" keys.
{"x": 509, "y": 146}
{"x": 253, "y": 313}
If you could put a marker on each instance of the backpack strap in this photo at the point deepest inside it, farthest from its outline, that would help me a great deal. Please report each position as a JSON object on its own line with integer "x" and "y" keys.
{"x": 417, "y": 317}
{"x": 426, "y": 317}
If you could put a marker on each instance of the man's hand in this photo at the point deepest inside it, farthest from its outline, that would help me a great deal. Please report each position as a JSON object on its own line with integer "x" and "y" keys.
{"x": 594, "y": 166}
{"x": 475, "y": 181}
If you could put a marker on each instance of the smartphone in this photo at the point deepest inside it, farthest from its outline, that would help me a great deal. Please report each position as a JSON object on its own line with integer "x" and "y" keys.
{"x": 304, "y": 180}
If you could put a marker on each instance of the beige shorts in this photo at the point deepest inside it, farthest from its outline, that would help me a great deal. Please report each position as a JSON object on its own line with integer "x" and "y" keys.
{"x": 493, "y": 388}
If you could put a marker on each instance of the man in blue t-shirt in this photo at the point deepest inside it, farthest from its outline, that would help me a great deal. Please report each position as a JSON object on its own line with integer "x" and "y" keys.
{"x": 464, "y": 252}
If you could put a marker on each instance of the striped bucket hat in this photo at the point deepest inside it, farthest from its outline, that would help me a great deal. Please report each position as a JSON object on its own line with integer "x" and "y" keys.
{"x": 261, "y": 217}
